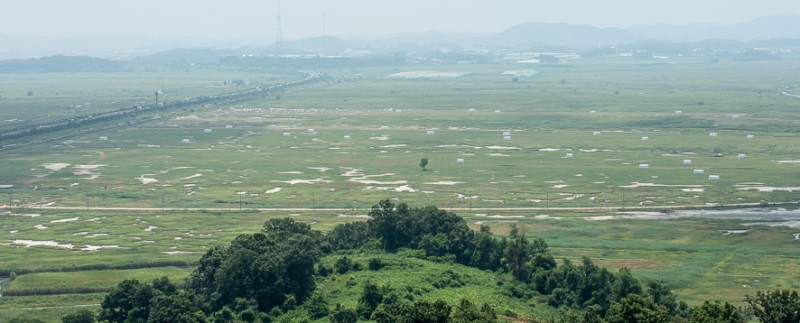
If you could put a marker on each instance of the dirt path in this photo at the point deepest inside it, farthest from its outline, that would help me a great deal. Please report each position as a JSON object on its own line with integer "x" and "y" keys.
{"x": 47, "y": 307}
{"x": 791, "y": 95}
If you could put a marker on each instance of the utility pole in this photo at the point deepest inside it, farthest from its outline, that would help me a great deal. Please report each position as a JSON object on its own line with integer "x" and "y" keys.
{"x": 547, "y": 201}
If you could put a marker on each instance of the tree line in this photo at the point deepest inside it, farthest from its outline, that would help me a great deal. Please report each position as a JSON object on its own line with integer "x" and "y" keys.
{"x": 268, "y": 275}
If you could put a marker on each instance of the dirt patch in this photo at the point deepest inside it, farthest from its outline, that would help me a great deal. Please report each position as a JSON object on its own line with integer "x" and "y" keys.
{"x": 146, "y": 180}
{"x": 88, "y": 170}
{"x": 65, "y": 220}
{"x": 637, "y": 185}
{"x": 89, "y": 247}
{"x": 443, "y": 183}
{"x": 304, "y": 181}
{"x": 191, "y": 177}
{"x": 733, "y": 232}
{"x": 366, "y": 179}
{"x": 34, "y": 243}
{"x": 176, "y": 252}
{"x": 320, "y": 169}
{"x": 55, "y": 166}
{"x": 403, "y": 188}
{"x": 425, "y": 74}
{"x": 503, "y": 148}
{"x": 764, "y": 189}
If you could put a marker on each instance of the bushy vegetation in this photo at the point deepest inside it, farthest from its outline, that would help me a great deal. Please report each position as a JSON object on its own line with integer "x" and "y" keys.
{"x": 270, "y": 275}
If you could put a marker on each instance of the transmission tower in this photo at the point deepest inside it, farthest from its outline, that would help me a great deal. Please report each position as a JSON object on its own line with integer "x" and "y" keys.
{"x": 279, "y": 30}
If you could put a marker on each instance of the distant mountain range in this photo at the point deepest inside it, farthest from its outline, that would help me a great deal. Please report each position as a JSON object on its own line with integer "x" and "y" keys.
{"x": 773, "y": 27}
{"x": 536, "y": 36}
{"x": 60, "y": 63}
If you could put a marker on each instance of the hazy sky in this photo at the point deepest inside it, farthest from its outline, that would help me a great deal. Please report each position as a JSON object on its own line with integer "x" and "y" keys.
{"x": 304, "y": 18}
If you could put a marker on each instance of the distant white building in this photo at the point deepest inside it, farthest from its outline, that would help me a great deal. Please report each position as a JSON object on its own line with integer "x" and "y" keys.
{"x": 751, "y": 136}
{"x": 430, "y": 132}
{"x": 712, "y": 134}
{"x": 506, "y": 133}
{"x": 678, "y": 111}
{"x": 347, "y": 137}
{"x": 459, "y": 161}
{"x": 287, "y": 134}
{"x": 506, "y": 138}
{"x": 103, "y": 138}
{"x": 596, "y": 133}
{"x": 185, "y": 141}
{"x": 645, "y": 138}
{"x": 206, "y": 130}
{"x": 699, "y": 171}
{"x": 644, "y": 166}
{"x": 742, "y": 156}
{"x": 687, "y": 162}
{"x": 568, "y": 155}
{"x": 230, "y": 126}
{"x": 713, "y": 177}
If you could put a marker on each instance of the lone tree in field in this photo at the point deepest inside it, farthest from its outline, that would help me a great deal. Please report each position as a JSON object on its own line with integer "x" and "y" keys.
{"x": 423, "y": 163}
{"x": 717, "y": 152}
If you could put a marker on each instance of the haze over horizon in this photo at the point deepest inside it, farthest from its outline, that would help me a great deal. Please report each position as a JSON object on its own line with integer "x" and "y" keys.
{"x": 357, "y": 18}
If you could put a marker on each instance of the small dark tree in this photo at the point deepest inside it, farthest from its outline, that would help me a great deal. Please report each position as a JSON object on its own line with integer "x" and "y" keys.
{"x": 129, "y": 301}
{"x": 342, "y": 314}
{"x": 423, "y": 163}
{"x": 466, "y": 312}
{"x": 717, "y": 151}
{"x": 424, "y": 311}
{"x": 343, "y": 265}
{"x": 371, "y": 297}
{"x": 80, "y": 316}
{"x": 637, "y": 309}
{"x": 174, "y": 309}
{"x": 375, "y": 264}
{"x": 717, "y": 312}
{"x": 316, "y": 306}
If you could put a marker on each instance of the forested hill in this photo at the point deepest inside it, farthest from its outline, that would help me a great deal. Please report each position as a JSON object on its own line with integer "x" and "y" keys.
{"x": 60, "y": 64}
{"x": 409, "y": 265}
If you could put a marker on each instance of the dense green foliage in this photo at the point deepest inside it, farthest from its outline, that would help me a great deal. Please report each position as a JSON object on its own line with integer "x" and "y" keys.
{"x": 271, "y": 275}
{"x": 267, "y": 267}
{"x": 780, "y": 306}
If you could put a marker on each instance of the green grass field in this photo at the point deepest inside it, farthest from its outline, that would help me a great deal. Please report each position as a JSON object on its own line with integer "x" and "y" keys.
{"x": 387, "y": 121}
